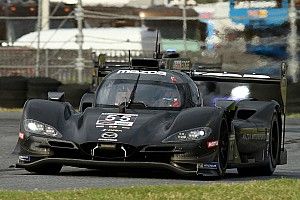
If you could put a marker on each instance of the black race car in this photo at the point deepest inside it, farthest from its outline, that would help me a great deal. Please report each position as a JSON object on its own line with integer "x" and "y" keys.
{"x": 143, "y": 116}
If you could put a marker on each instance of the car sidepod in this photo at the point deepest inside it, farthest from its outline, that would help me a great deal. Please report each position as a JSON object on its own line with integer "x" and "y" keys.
{"x": 257, "y": 128}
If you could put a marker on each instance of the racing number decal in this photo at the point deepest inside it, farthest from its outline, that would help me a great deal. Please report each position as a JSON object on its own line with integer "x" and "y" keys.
{"x": 116, "y": 119}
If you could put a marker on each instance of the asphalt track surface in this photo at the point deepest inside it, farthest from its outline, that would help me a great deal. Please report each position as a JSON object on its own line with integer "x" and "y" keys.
{"x": 70, "y": 178}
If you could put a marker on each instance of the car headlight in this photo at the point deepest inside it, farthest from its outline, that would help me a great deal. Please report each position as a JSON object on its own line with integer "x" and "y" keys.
{"x": 189, "y": 135}
{"x": 37, "y": 127}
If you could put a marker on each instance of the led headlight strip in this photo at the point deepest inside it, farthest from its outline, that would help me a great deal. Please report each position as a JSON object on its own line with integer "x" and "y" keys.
{"x": 37, "y": 127}
{"x": 189, "y": 135}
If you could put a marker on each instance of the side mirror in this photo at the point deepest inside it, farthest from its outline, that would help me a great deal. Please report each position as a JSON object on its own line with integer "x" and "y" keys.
{"x": 56, "y": 96}
{"x": 87, "y": 101}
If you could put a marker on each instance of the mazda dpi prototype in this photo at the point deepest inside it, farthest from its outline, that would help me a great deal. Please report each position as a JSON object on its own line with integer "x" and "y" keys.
{"x": 146, "y": 116}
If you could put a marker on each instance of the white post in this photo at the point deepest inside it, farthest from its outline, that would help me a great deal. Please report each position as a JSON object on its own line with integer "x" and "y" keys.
{"x": 292, "y": 41}
{"x": 46, "y": 62}
{"x": 152, "y": 3}
{"x": 184, "y": 26}
{"x": 45, "y": 15}
{"x": 37, "y": 63}
{"x": 79, "y": 40}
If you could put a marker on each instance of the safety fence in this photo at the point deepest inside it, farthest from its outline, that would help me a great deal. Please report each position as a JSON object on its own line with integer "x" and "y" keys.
{"x": 57, "y": 64}
{"x": 14, "y": 56}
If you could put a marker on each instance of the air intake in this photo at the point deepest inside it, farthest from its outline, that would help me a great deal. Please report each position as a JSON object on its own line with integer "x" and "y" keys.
{"x": 245, "y": 114}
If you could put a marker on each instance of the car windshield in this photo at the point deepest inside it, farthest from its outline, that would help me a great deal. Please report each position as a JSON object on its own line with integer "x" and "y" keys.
{"x": 153, "y": 94}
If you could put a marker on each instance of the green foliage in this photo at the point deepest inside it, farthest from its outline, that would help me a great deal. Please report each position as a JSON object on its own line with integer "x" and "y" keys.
{"x": 293, "y": 115}
{"x": 280, "y": 189}
{"x": 10, "y": 109}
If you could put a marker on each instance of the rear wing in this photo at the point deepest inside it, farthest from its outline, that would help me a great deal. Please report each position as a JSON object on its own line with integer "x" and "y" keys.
{"x": 273, "y": 88}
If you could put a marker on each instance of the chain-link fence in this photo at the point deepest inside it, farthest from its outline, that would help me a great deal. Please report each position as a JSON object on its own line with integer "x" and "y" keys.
{"x": 57, "y": 64}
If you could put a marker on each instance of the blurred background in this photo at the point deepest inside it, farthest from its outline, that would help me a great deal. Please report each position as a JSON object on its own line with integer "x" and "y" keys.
{"x": 54, "y": 39}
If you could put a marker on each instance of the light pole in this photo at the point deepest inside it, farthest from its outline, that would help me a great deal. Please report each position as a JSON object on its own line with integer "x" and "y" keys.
{"x": 10, "y": 35}
{"x": 37, "y": 61}
{"x": 184, "y": 26}
{"x": 45, "y": 15}
{"x": 79, "y": 39}
{"x": 292, "y": 41}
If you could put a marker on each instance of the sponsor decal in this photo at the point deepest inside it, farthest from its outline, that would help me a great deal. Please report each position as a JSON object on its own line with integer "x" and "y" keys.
{"x": 262, "y": 137}
{"x": 260, "y": 134}
{"x": 21, "y": 136}
{"x": 112, "y": 130}
{"x": 123, "y": 127}
{"x": 115, "y": 120}
{"x": 211, "y": 144}
{"x": 160, "y": 73}
{"x": 24, "y": 158}
{"x": 211, "y": 165}
{"x": 108, "y": 136}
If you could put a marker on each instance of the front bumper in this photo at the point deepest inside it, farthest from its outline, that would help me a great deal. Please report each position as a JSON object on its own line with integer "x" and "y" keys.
{"x": 94, "y": 164}
{"x": 182, "y": 158}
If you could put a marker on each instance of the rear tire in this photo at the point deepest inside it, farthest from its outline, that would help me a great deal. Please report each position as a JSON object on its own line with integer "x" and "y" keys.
{"x": 50, "y": 169}
{"x": 268, "y": 168}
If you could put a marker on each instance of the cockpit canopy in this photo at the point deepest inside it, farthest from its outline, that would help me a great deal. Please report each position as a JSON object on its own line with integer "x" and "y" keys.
{"x": 153, "y": 89}
{"x": 152, "y": 94}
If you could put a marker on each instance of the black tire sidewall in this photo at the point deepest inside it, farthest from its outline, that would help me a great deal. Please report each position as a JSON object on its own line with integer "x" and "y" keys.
{"x": 272, "y": 160}
{"x": 222, "y": 165}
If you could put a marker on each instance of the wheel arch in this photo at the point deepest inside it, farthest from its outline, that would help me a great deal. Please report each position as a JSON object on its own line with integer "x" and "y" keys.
{"x": 52, "y": 113}
{"x": 199, "y": 117}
